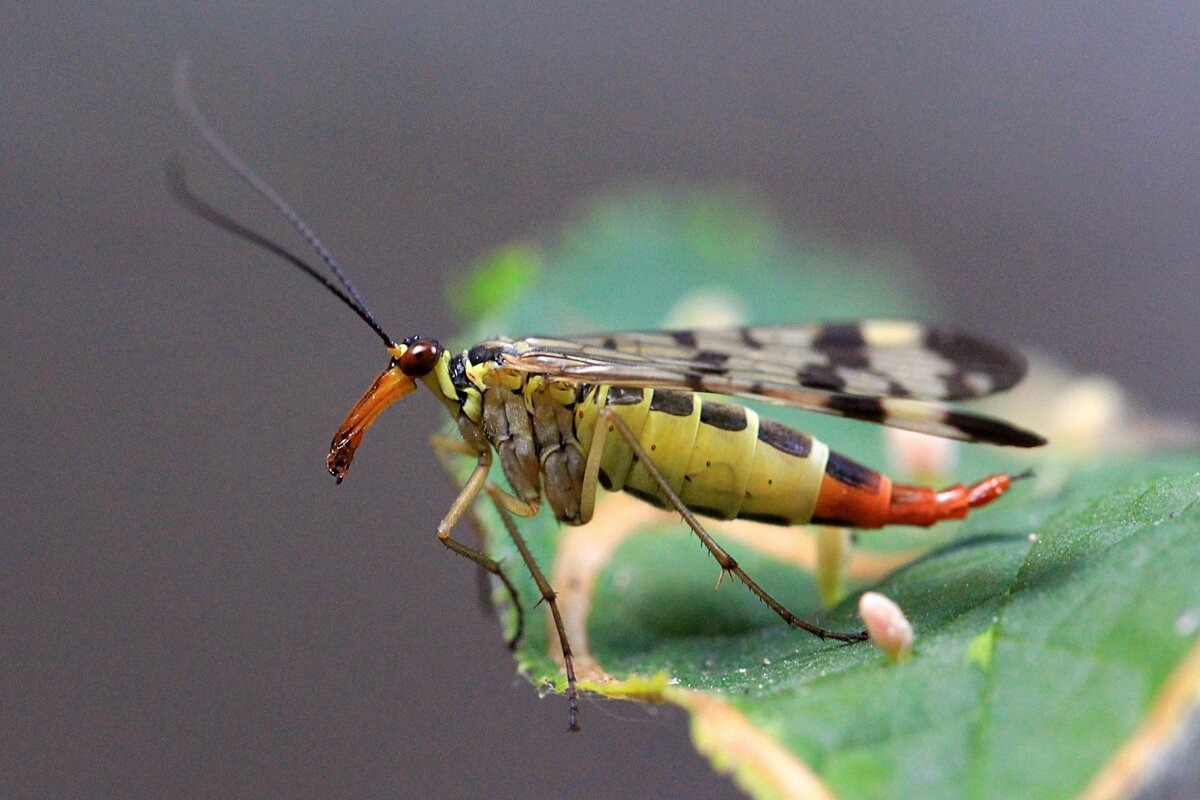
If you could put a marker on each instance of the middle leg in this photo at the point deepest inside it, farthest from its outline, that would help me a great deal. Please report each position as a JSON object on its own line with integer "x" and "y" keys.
{"x": 549, "y": 597}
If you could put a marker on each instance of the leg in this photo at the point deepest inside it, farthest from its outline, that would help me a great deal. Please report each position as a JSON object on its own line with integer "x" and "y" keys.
{"x": 833, "y": 557}
{"x": 548, "y": 596}
{"x": 444, "y": 447}
{"x": 461, "y": 506}
{"x": 727, "y": 562}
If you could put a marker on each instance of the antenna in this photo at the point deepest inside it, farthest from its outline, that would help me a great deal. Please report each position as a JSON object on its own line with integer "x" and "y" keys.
{"x": 181, "y": 192}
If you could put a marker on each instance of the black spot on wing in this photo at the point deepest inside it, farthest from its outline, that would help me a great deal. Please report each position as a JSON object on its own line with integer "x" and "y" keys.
{"x": 784, "y": 439}
{"x": 843, "y": 345}
{"x": 989, "y": 429}
{"x": 857, "y": 407}
{"x": 625, "y": 395}
{"x": 838, "y": 335}
{"x": 820, "y": 376}
{"x": 678, "y": 404}
{"x": 956, "y": 386}
{"x": 710, "y": 361}
{"x": 851, "y": 472}
{"x": 684, "y": 338}
{"x": 970, "y": 354}
{"x": 749, "y": 339}
{"x": 723, "y": 415}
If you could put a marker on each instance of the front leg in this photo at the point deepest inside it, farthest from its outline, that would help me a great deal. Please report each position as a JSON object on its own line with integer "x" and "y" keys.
{"x": 462, "y": 506}
{"x": 446, "y": 448}
{"x": 506, "y": 504}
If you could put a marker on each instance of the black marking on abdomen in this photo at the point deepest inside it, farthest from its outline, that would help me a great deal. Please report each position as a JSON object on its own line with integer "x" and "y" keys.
{"x": 715, "y": 513}
{"x": 648, "y": 497}
{"x": 625, "y": 395}
{"x": 834, "y": 521}
{"x": 677, "y": 404}
{"x": 851, "y": 473}
{"x": 784, "y": 439}
{"x": 723, "y": 415}
{"x": 769, "y": 519}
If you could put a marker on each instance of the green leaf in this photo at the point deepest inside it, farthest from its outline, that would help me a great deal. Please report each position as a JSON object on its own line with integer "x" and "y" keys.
{"x": 1054, "y": 628}
{"x": 496, "y": 281}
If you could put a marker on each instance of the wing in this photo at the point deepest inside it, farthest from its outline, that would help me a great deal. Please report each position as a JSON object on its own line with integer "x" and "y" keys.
{"x": 893, "y": 373}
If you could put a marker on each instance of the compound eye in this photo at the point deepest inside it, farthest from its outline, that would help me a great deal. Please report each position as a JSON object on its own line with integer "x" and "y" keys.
{"x": 419, "y": 358}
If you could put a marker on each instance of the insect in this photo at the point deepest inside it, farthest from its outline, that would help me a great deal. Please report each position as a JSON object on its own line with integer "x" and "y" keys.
{"x": 629, "y": 412}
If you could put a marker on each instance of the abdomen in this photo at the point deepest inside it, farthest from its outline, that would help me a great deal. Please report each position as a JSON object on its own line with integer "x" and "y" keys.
{"x": 722, "y": 460}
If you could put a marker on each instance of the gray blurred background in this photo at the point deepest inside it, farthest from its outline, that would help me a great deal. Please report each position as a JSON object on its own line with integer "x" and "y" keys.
{"x": 190, "y": 609}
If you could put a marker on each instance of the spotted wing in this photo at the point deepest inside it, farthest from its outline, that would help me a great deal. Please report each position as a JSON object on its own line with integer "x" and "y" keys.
{"x": 893, "y": 373}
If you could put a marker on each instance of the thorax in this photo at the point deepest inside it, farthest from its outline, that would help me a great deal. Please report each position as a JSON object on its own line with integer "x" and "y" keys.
{"x": 527, "y": 419}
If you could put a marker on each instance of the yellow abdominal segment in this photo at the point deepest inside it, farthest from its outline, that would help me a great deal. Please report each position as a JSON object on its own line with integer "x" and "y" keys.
{"x": 783, "y": 488}
{"x": 723, "y": 461}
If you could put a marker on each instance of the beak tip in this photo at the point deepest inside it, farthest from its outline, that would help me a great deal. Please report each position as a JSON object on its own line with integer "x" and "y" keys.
{"x": 390, "y": 386}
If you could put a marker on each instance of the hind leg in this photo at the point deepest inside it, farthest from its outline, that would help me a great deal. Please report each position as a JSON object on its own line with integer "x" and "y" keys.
{"x": 613, "y": 423}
